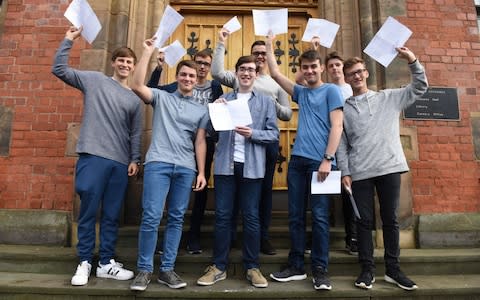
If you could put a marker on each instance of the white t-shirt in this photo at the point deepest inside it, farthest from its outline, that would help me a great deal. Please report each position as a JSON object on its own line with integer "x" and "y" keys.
{"x": 239, "y": 153}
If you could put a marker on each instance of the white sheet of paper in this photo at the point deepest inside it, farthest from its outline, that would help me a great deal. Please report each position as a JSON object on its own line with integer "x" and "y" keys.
{"x": 173, "y": 53}
{"x": 232, "y": 25}
{"x": 391, "y": 35}
{"x": 331, "y": 185}
{"x": 169, "y": 22}
{"x": 225, "y": 116}
{"x": 275, "y": 20}
{"x": 80, "y": 13}
{"x": 322, "y": 28}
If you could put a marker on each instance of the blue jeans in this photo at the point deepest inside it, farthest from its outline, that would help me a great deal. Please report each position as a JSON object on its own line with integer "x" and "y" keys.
{"x": 299, "y": 179}
{"x": 388, "y": 191}
{"x": 248, "y": 193}
{"x": 99, "y": 182}
{"x": 267, "y": 189}
{"x": 170, "y": 184}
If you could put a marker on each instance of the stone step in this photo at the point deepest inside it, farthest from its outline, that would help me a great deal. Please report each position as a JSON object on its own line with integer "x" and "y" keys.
{"x": 127, "y": 236}
{"x": 57, "y": 286}
{"x": 58, "y": 260}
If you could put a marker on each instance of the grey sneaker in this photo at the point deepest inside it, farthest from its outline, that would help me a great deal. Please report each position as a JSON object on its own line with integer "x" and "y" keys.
{"x": 171, "y": 279}
{"x": 289, "y": 274}
{"x": 320, "y": 279}
{"x": 141, "y": 282}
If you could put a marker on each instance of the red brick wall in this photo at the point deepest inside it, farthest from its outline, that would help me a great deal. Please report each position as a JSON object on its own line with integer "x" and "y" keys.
{"x": 446, "y": 177}
{"x": 37, "y": 174}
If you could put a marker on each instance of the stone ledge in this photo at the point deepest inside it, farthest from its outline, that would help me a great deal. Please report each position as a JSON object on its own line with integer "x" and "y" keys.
{"x": 449, "y": 230}
{"x": 34, "y": 227}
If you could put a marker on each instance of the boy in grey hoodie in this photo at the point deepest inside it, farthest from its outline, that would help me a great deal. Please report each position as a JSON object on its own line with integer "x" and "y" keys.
{"x": 370, "y": 156}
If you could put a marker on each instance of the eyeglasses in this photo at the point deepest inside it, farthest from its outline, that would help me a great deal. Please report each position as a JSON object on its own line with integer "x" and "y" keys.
{"x": 199, "y": 63}
{"x": 249, "y": 70}
{"x": 256, "y": 53}
{"x": 358, "y": 72}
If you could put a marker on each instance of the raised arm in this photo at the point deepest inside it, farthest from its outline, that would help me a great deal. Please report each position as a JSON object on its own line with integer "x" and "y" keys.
{"x": 60, "y": 67}
{"x": 138, "y": 82}
{"x": 281, "y": 79}
{"x": 226, "y": 78}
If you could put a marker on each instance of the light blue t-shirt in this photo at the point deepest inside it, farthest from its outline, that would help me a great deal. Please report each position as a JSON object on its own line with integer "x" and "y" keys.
{"x": 314, "y": 124}
{"x": 175, "y": 122}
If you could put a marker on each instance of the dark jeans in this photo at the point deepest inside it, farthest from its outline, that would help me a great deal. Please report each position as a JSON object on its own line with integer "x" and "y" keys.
{"x": 200, "y": 202}
{"x": 227, "y": 188}
{"x": 299, "y": 180}
{"x": 388, "y": 190}
{"x": 265, "y": 212}
{"x": 348, "y": 218}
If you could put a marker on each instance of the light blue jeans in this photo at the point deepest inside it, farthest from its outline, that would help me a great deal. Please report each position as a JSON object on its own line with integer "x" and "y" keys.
{"x": 163, "y": 183}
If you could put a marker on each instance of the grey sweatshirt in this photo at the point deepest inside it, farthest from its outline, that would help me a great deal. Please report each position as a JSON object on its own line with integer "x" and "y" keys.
{"x": 112, "y": 115}
{"x": 263, "y": 84}
{"x": 370, "y": 144}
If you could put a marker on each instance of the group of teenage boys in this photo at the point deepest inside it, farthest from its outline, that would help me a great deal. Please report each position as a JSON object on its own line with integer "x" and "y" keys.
{"x": 341, "y": 125}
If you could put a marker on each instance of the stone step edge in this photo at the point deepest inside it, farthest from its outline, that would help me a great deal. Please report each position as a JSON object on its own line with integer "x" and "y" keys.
{"x": 34, "y": 252}
{"x": 58, "y": 284}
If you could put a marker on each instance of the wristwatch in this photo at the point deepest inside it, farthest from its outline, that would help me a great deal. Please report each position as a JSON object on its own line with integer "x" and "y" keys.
{"x": 328, "y": 157}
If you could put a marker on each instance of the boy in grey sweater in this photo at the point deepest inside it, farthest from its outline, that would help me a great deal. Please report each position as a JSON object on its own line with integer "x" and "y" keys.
{"x": 371, "y": 157}
{"x": 109, "y": 151}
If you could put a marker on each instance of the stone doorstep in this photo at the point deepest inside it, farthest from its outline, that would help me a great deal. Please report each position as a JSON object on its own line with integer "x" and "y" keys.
{"x": 58, "y": 285}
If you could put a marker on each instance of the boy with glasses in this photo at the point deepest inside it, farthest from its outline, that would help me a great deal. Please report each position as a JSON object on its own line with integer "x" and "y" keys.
{"x": 266, "y": 85}
{"x": 371, "y": 158}
{"x": 238, "y": 172}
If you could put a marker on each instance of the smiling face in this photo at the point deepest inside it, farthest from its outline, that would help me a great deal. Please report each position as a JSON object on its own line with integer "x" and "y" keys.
{"x": 186, "y": 78}
{"x": 260, "y": 54}
{"x": 356, "y": 75}
{"x": 311, "y": 71}
{"x": 123, "y": 67}
{"x": 246, "y": 74}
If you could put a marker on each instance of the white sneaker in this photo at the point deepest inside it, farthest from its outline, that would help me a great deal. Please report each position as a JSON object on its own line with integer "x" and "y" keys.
{"x": 82, "y": 273}
{"x": 114, "y": 270}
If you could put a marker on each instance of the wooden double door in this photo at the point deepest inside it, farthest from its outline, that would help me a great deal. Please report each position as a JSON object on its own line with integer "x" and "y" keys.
{"x": 200, "y": 31}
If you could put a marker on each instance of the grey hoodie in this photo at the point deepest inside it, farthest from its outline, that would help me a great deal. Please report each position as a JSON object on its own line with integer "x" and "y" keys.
{"x": 370, "y": 145}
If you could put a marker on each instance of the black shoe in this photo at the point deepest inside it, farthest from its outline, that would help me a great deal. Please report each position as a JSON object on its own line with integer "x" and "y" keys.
{"x": 365, "y": 280}
{"x": 320, "y": 279}
{"x": 267, "y": 248}
{"x": 289, "y": 274}
{"x": 397, "y": 277}
{"x": 193, "y": 247}
{"x": 171, "y": 279}
{"x": 352, "y": 247}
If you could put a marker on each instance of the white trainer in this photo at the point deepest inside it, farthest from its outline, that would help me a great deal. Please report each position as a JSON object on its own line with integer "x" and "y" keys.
{"x": 82, "y": 273}
{"x": 114, "y": 270}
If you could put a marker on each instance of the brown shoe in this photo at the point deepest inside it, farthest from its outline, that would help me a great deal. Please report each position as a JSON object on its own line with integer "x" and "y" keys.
{"x": 256, "y": 278}
{"x": 212, "y": 275}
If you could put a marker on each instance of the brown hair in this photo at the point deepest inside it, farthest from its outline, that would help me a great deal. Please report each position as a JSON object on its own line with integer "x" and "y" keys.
{"x": 245, "y": 60}
{"x": 352, "y": 61}
{"x": 333, "y": 55}
{"x": 187, "y": 63}
{"x": 310, "y": 55}
{"x": 203, "y": 53}
{"x": 124, "y": 52}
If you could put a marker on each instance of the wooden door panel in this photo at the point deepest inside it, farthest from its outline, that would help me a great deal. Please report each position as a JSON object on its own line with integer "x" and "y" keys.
{"x": 200, "y": 31}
